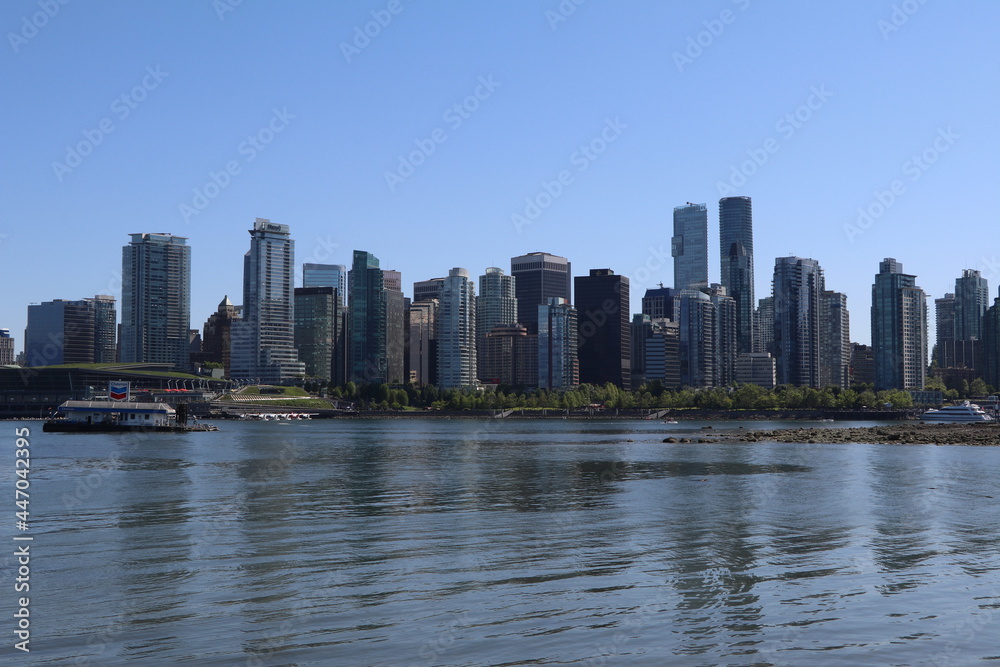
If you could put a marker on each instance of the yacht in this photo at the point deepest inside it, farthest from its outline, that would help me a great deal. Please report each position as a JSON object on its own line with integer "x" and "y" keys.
{"x": 966, "y": 412}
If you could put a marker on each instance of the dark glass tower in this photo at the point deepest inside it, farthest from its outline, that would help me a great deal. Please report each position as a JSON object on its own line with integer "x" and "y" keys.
{"x": 736, "y": 260}
{"x": 604, "y": 350}
{"x": 798, "y": 287}
{"x": 368, "y": 320}
{"x": 689, "y": 246}
{"x": 538, "y": 277}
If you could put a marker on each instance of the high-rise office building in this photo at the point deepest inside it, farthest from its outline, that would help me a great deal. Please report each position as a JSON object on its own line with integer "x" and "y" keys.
{"x": 368, "y": 320}
{"x": 944, "y": 316}
{"x": 396, "y": 315}
{"x": 263, "y": 341}
{"x": 991, "y": 344}
{"x": 862, "y": 364}
{"x": 763, "y": 321}
{"x": 319, "y": 333}
{"x": 427, "y": 290}
{"x": 327, "y": 275}
{"x": 658, "y": 303}
{"x": 423, "y": 342}
{"x": 696, "y": 317}
{"x": 496, "y": 306}
{"x": 642, "y": 328}
{"x": 71, "y": 332}
{"x": 511, "y": 356}
{"x": 972, "y": 298}
{"x": 105, "y": 329}
{"x": 6, "y": 348}
{"x": 835, "y": 340}
{"x": 736, "y": 262}
{"x": 661, "y": 353}
{"x": 689, "y": 246}
{"x": 797, "y": 286}
{"x": 726, "y": 335}
{"x": 538, "y": 277}
{"x": 156, "y": 300}
{"x": 456, "y": 331}
{"x": 899, "y": 328}
{"x": 604, "y": 350}
{"x": 558, "y": 336}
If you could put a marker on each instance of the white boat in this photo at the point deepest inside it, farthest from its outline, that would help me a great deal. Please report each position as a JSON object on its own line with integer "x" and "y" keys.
{"x": 966, "y": 412}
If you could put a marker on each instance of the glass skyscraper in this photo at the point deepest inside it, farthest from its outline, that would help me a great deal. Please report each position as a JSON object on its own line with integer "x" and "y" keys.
{"x": 689, "y": 246}
{"x": 539, "y": 277}
{"x": 263, "y": 342}
{"x": 156, "y": 300}
{"x": 368, "y": 320}
{"x": 736, "y": 263}
{"x": 798, "y": 287}
{"x": 327, "y": 275}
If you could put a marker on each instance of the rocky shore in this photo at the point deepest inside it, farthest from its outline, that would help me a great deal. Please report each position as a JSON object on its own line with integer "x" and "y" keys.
{"x": 912, "y": 433}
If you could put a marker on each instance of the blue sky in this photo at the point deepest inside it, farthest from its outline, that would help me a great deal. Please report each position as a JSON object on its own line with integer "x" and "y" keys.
{"x": 197, "y": 117}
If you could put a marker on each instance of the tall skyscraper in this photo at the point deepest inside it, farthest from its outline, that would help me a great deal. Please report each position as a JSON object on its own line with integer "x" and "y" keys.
{"x": 263, "y": 341}
{"x": 539, "y": 277}
{"x": 764, "y": 325}
{"x": 991, "y": 344}
{"x": 662, "y": 353}
{"x": 456, "y": 331}
{"x": 327, "y": 275}
{"x": 944, "y": 315}
{"x": 396, "y": 314}
{"x": 899, "y": 328}
{"x": 726, "y": 335}
{"x": 105, "y": 329}
{"x": 496, "y": 306}
{"x": 736, "y": 260}
{"x": 697, "y": 320}
{"x": 156, "y": 300}
{"x": 604, "y": 350}
{"x": 972, "y": 298}
{"x": 689, "y": 246}
{"x": 319, "y": 333}
{"x": 558, "y": 336}
{"x": 59, "y": 332}
{"x": 798, "y": 284}
{"x": 835, "y": 340}
{"x": 423, "y": 342}
{"x": 368, "y": 320}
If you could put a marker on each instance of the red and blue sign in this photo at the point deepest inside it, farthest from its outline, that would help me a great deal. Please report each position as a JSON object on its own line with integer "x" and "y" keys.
{"x": 118, "y": 391}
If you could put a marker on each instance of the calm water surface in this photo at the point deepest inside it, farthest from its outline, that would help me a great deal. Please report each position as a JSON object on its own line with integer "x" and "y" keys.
{"x": 505, "y": 542}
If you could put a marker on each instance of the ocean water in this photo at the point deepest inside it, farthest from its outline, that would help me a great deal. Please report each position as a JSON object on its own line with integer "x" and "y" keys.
{"x": 505, "y": 542}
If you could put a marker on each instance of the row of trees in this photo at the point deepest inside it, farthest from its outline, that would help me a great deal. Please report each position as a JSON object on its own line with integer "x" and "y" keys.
{"x": 648, "y": 396}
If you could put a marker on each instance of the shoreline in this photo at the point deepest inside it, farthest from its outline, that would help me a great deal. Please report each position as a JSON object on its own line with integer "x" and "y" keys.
{"x": 911, "y": 433}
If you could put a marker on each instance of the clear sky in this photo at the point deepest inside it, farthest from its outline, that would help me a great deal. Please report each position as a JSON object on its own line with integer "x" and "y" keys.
{"x": 605, "y": 115}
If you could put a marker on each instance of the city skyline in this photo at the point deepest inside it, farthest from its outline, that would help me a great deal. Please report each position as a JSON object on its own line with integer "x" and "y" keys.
{"x": 846, "y": 162}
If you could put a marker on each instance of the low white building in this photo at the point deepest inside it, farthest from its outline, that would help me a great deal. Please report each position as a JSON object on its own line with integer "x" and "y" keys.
{"x": 119, "y": 412}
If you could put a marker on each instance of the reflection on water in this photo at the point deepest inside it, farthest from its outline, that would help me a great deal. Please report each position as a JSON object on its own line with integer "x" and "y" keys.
{"x": 430, "y": 542}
